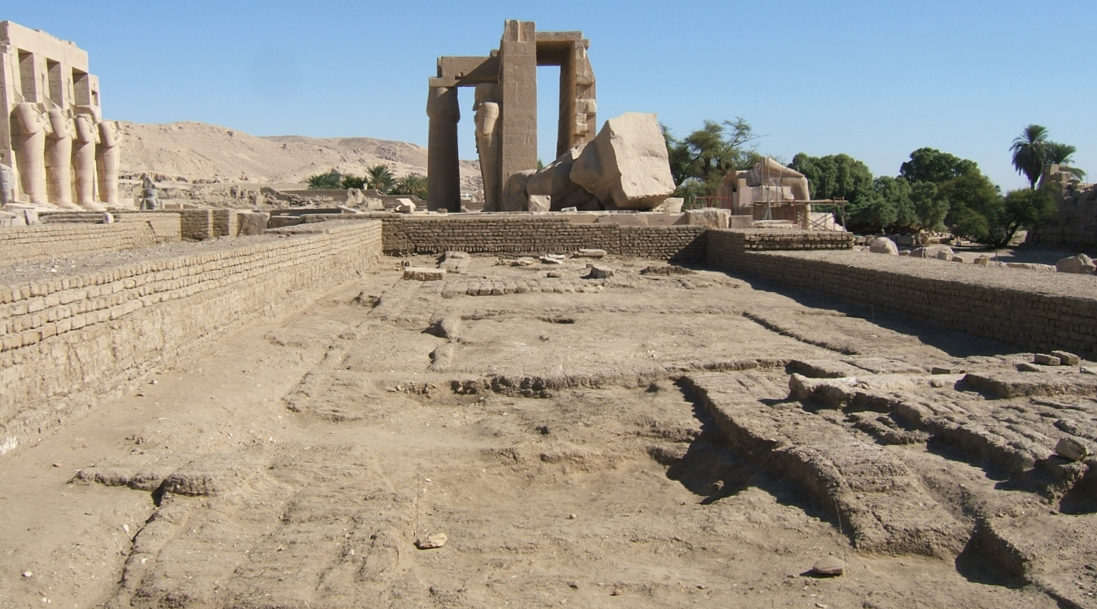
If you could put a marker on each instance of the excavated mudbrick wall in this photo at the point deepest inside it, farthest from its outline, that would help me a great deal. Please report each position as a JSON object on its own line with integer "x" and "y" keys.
{"x": 63, "y": 241}
{"x": 1034, "y": 310}
{"x": 79, "y": 335}
{"x": 526, "y": 235}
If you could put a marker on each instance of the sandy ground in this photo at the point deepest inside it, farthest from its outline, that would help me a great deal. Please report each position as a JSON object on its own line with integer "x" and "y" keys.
{"x": 627, "y": 442}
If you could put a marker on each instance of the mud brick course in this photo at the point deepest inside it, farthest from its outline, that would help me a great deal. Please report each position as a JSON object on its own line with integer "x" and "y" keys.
{"x": 66, "y": 340}
{"x": 46, "y": 241}
{"x": 523, "y": 235}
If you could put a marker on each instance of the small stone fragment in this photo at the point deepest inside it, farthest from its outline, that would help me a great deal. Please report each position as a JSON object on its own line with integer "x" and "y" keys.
{"x": 599, "y": 272}
{"x": 591, "y": 253}
{"x": 552, "y": 259}
{"x": 1071, "y": 449}
{"x": 1045, "y": 360}
{"x": 554, "y": 274}
{"x": 432, "y": 541}
{"x": 523, "y": 261}
{"x": 1027, "y": 367}
{"x": 28, "y": 574}
{"x": 829, "y": 566}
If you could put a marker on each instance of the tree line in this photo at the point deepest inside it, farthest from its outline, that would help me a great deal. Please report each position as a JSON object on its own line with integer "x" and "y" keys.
{"x": 378, "y": 177}
{"x": 933, "y": 191}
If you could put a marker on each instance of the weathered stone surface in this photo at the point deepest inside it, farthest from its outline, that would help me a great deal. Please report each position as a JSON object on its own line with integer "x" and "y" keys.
{"x": 514, "y": 192}
{"x": 555, "y": 185}
{"x": 1067, "y": 358}
{"x": 626, "y": 165}
{"x": 431, "y": 542}
{"x": 405, "y": 206}
{"x": 449, "y": 326}
{"x": 709, "y": 217}
{"x": 252, "y": 222}
{"x": 1071, "y": 449}
{"x": 829, "y": 566}
{"x": 672, "y": 205}
{"x": 599, "y": 272}
{"x": 591, "y": 253}
{"x": 1045, "y": 360}
{"x": 1081, "y": 264}
{"x": 931, "y": 251}
{"x": 883, "y": 245}
{"x": 424, "y": 274}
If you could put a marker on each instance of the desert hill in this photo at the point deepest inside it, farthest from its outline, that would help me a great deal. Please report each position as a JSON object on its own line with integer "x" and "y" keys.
{"x": 199, "y": 152}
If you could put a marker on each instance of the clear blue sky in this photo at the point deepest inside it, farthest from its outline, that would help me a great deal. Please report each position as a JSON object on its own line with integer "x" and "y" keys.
{"x": 873, "y": 79}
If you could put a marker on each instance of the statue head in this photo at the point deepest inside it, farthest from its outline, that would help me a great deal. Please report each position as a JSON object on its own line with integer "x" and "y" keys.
{"x": 29, "y": 117}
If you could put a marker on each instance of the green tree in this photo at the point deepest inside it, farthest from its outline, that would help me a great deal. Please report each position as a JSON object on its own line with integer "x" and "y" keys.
{"x": 380, "y": 178}
{"x": 869, "y": 212}
{"x": 350, "y": 181}
{"x": 1062, "y": 155}
{"x": 932, "y": 165}
{"x": 896, "y": 193}
{"x": 974, "y": 207}
{"x": 411, "y": 184}
{"x": 836, "y": 176}
{"x": 1030, "y": 152}
{"x": 699, "y": 162}
{"x": 325, "y": 181}
{"x": 928, "y": 207}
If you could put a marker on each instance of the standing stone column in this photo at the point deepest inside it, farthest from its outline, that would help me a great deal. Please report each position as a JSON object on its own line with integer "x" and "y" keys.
{"x": 30, "y": 151}
{"x": 59, "y": 160}
{"x": 443, "y": 164}
{"x": 83, "y": 160}
{"x": 108, "y": 157}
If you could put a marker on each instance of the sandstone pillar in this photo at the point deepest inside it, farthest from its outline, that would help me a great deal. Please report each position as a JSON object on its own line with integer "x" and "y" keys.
{"x": 518, "y": 82}
{"x": 83, "y": 160}
{"x": 108, "y": 156}
{"x": 30, "y": 151}
{"x": 59, "y": 160}
{"x": 443, "y": 164}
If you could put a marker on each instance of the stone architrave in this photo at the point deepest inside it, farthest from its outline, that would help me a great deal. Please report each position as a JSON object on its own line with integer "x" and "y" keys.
{"x": 487, "y": 144}
{"x": 443, "y": 165}
{"x": 626, "y": 165}
{"x": 108, "y": 156}
{"x": 59, "y": 160}
{"x": 30, "y": 150}
{"x": 83, "y": 159}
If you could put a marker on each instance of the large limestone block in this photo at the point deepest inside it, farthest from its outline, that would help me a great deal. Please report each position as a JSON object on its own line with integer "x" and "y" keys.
{"x": 554, "y": 182}
{"x": 251, "y": 222}
{"x": 626, "y": 165}
{"x": 709, "y": 217}
{"x": 1081, "y": 264}
{"x": 883, "y": 245}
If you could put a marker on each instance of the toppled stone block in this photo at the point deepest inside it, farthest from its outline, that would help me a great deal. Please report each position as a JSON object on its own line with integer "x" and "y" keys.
{"x": 599, "y": 272}
{"x": 983, "y": 260}
{"x": 883, "y": 245}
{"x": 1071, "y": 449}
{"x": 405, "y": 206}
{"x": 523, "y": 261}
{"x": 591, "y": 253}
{"x": 448, "y": 326}
{"x": 828, "y": 392}
{"x": 672, "y": 205}
{"x": 418, "y": 273}
{"x": 1066, "y": 358}
{"x": 552, "y": 188}
{"x": 552, "y": 258}
{"x": 1045, "y": 360}
{"x": 626, "y": 165}
{"x": 1080, "y": 264}
{"x": 959, "y": 259}
{"x": 514, "y": 191}
{"x": 932, "y": 251}
{"x": 709, "y": 217}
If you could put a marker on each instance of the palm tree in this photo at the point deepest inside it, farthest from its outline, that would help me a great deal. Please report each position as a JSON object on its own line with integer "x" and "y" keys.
{"x": 1060, "y": 154}
{"x": 380, "y": 178}
{"x": 1030, "y": 152}
{"x": 411, "y": 184}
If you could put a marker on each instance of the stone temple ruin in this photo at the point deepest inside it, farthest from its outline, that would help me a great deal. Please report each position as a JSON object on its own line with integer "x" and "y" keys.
{"x": 483, "y": 410}
{"x": 56, "y": 151}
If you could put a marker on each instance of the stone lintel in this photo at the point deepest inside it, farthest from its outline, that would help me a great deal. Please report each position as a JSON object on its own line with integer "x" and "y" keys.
{"x": 466, "y": 71}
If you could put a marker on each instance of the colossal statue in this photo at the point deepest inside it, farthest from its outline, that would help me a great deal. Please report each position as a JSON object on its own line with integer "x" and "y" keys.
{"x": 59, "y": 160}
{"x": 108, "y": 155}
{"x": 83, "y": 158}
{"x": 7, "y": 180}
{"x": 30, "y": 150}
{"x": 487, "y": 144}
